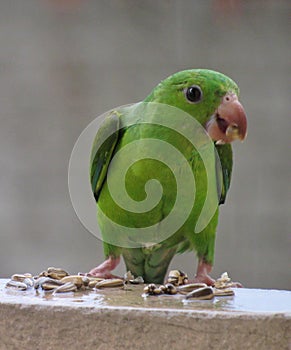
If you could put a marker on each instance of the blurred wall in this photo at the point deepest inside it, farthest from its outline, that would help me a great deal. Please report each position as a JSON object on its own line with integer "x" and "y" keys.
{"x": 62, "y": 63}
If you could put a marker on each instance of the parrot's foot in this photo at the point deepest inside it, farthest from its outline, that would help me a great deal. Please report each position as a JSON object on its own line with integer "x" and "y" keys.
{"x": 202, "y": 273}
{"x": 203, "y": 279}
{"x": 104, "y": 270}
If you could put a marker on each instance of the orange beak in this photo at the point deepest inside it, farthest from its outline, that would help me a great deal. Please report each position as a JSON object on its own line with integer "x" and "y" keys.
{"x": 229, "y": 122}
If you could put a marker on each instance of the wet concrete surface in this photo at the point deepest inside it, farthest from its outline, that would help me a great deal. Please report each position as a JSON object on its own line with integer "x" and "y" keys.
{"x": 124, "y": 319}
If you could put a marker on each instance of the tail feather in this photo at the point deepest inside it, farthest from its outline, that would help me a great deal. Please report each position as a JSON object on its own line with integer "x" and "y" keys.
{"x": 150, "y": 263}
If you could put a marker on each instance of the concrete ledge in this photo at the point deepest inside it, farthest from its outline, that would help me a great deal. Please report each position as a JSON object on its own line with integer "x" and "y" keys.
{"x": 87, "y": 321}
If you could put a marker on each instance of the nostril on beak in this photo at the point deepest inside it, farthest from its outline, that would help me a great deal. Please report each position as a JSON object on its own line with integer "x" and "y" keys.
{"x": 230, "y": 97}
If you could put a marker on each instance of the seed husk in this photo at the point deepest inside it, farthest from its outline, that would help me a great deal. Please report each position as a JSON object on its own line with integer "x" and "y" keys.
{"x": 39, "y": 281}
{"x": 75, "y": 279}
{"x": 85, "y": 280}
{"x": 56, "y": 273}
{"x": 223, "y": 292}
{"x": 49, "y": 286}
{"x": 137, "y": 280}
{"x": 187, "y": 288}
{"x": 169, "y": 288}
{"x": 224, "y": 281}
{"x": 128, "y": 276}
{"x": 43, "y": 274}
{"x": 107, "y": 283}
{"x": 92, "y": 281}
{"x": 47, "y": 283}
{"x": 25, "y": 278}
{"x": 20, "y": 277}
{"x": 29, "y": 282}
{"x": 204, "y": 293}
{"x": 67, "y": 287}
{"x": 150, "y": 288}
{"x": 158, "y": 291}
{"x": 177, "y": 277}
{"x": 16, "y": 285}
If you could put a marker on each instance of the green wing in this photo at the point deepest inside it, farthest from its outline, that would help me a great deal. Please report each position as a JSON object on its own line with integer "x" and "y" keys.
{"x": 225, "y": 156}
{"x": 102, "y": 151}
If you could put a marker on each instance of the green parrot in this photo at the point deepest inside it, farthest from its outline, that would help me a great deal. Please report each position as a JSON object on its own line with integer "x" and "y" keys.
{"x": 210, "y": 99}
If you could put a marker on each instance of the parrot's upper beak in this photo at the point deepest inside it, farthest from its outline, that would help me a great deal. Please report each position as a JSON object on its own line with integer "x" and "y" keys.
{"x": 229, "y": 121}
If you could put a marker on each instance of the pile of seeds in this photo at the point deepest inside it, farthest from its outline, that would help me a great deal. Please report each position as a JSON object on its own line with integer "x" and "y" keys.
{"x": 178, "y": 283}
{"x": 57, "y": 280}
{"x": 223, "y": 282}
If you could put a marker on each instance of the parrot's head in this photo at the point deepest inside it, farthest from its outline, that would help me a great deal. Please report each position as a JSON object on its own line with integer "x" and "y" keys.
{"x": 210, "y": 97}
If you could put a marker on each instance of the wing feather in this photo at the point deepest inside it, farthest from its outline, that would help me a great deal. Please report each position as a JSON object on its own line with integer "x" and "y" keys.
{"x": 225, "y": 156}
{"x": 102, "y": 151}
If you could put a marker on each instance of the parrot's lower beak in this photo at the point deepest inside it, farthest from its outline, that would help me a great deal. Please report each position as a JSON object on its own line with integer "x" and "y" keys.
{"x": 229, "y": 121}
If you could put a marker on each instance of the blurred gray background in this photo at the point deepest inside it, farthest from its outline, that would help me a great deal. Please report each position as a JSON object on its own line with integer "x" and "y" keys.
{"x": 62, "y": 63}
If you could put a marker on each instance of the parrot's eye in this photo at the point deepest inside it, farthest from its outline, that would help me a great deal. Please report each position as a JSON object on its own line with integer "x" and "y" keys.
{"x": 194, "y": 94}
